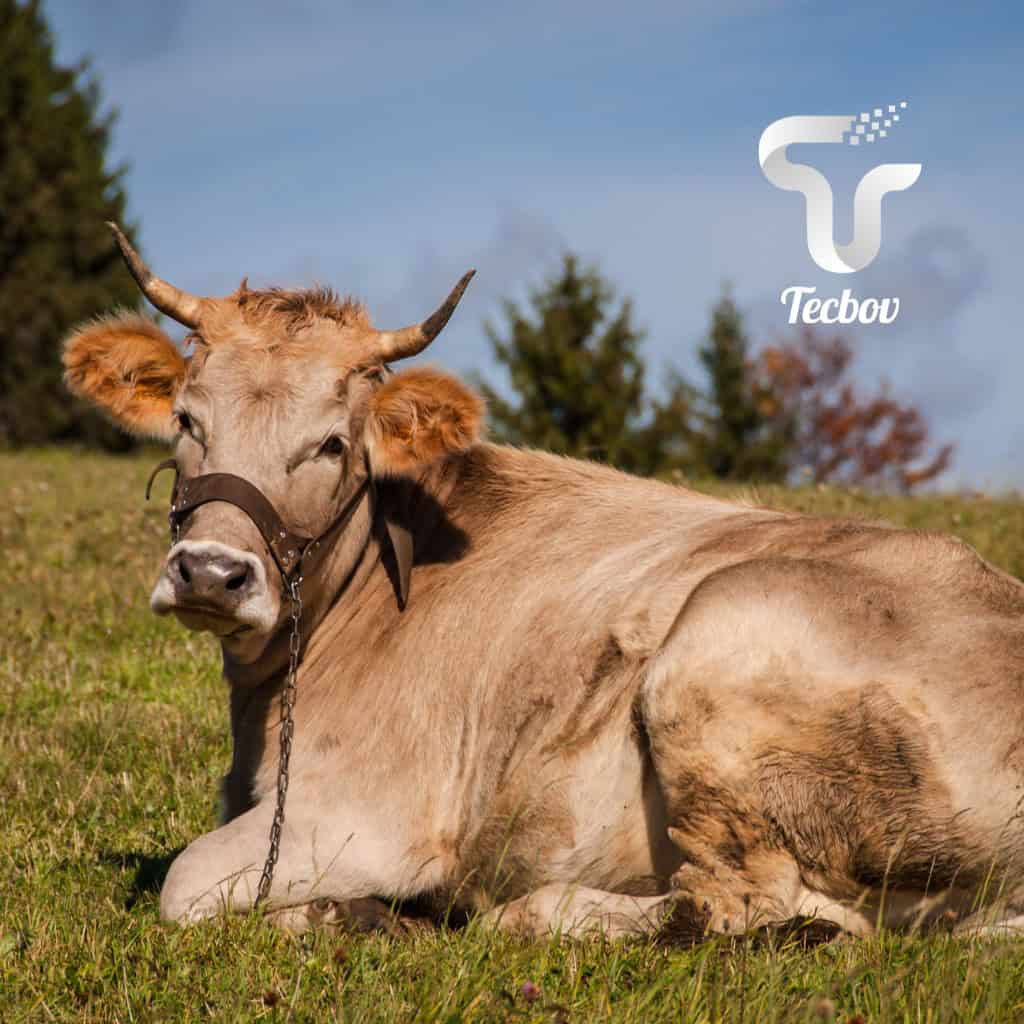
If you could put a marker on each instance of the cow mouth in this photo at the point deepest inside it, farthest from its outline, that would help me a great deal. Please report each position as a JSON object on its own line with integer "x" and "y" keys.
{"x": 208, "y": 619}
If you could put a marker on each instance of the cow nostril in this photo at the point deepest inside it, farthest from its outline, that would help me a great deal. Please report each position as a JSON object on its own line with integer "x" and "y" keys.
{"x": 238, "y": 580}
{"x": 183, "y": 571}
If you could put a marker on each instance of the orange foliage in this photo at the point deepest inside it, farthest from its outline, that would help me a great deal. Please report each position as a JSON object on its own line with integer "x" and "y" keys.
{"x": 839, "y": 434}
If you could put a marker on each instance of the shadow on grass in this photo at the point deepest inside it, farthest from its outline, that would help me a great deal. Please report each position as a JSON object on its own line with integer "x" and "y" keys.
{"x": 150, "y": 872}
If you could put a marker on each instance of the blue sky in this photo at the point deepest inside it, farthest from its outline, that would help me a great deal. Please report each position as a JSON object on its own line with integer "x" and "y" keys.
{"x": 384, "y": 147}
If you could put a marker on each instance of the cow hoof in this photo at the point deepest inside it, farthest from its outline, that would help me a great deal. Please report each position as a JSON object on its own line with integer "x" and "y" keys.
{"x": 684, "y": 924}
{"x": 803, "y": 932}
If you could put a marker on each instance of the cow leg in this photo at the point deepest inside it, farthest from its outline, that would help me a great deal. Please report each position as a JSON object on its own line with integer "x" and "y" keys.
{"x": 577, "y": 911}
{"x": 803, "y": 769}
{"x": 747, "y": 734}
{"x": 321, "y": 869}
{"x": 574, "y": 911}
{"x": 733, "y": 868}
{"x": 983, "y": 927}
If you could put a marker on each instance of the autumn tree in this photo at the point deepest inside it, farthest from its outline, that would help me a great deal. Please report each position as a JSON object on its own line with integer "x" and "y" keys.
{"x": 791, "y": 410}
{"x": 58, "y": 264}
{"x": 840, "y": 434}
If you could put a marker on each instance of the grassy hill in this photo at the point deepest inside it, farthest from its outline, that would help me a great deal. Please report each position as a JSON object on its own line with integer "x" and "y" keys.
{"x": 114, "y": 734}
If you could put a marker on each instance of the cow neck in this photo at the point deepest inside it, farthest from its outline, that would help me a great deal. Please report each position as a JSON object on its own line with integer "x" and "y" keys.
{"x": 341, "y": 570}
{"x": 363, "y": 555}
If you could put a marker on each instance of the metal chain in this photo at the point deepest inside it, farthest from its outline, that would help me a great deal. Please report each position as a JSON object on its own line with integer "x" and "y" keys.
{"x": 288, "y": 691}
{"x": 292, "y": 582}
{"x": 287, "y": 728}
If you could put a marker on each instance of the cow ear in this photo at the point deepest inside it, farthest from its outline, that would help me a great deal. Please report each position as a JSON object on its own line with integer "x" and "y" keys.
{"x": 417, "y": 417}
{"x": 129, "y": 368}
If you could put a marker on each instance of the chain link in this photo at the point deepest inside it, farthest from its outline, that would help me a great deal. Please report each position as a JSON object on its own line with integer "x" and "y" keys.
{"x": 287, "y": 728}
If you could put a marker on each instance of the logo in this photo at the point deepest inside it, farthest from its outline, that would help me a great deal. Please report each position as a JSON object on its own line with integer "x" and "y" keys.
{"x": 852, "y": 129}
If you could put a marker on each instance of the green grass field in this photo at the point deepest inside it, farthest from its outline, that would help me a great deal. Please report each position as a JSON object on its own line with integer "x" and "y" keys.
{"x": 113, "y": 736}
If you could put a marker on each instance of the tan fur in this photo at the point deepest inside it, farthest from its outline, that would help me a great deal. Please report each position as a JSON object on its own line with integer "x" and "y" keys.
{"x": 419, "y": 416}
{"x": 129, "y": 368}
{"x": 600, "y": 685}
{"x": 300, "y": 308}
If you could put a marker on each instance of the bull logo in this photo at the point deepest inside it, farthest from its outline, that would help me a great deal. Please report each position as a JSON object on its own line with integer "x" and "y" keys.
{"x": 852, "y": 129}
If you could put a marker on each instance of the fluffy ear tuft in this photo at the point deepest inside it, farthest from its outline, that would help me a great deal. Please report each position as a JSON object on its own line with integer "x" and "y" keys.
{"x": 419, "y": 416}
{"x": 128, "y": 367}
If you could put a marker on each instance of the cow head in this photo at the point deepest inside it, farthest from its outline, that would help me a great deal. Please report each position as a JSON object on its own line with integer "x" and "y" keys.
{"x": 289, "y": 390}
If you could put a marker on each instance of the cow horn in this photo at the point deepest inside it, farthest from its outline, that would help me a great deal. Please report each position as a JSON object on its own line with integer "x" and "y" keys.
{"x": 409, "y": 341}
{"x": 177, "y": 304}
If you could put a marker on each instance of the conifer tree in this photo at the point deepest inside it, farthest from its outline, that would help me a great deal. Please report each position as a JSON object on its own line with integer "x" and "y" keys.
{"x": 58, "y": 264}
{"x": 574, "y": 364}
{"x": 741, "y": 436}
{"x": 780, "y": 414}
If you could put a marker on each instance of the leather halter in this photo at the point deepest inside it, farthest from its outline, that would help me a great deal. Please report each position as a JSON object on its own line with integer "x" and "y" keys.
{"x": 290, "y": 551}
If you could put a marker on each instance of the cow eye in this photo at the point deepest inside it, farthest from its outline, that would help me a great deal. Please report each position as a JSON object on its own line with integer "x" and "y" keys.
{"x": 334, "y": 446}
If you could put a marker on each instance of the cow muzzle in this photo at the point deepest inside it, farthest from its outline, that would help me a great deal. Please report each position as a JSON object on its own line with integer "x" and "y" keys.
{"x": 215, "y": 587}
{"x": 211, "y": 586}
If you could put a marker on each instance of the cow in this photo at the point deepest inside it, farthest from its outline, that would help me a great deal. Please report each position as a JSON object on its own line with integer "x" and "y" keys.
{"x": 565, "y": 699}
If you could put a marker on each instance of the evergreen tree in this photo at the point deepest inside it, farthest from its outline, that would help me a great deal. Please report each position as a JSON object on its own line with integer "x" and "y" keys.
{"x": 665, "y": 443}
{"x": 579, "y": 386}
{"x": 579, "y": 378}
{"x": 58, "y": 264}
{"x": 741, "y": 436}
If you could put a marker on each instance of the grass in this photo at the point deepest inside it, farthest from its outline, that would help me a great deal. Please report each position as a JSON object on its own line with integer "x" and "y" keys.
{"x": 114, "y": 733}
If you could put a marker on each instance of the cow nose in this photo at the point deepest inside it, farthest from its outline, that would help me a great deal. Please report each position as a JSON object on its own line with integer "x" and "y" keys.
{"x": 212, "y": 576}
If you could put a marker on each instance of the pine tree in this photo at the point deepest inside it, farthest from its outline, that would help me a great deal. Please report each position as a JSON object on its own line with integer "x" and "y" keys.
{"x": 741, "y": 437}
{"x": 58, "y": 264}
{"x": 575, "y": 367}
{"x": 579, "y": 389}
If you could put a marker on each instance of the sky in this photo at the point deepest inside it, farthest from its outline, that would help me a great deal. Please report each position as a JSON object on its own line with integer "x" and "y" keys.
{"x": 385, "y": 147}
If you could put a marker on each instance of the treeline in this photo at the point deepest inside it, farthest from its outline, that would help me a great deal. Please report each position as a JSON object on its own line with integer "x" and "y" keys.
{"x": 783, "y": 412}
{"x": 577, "y": 382}
{"x": 57, "y": 263}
